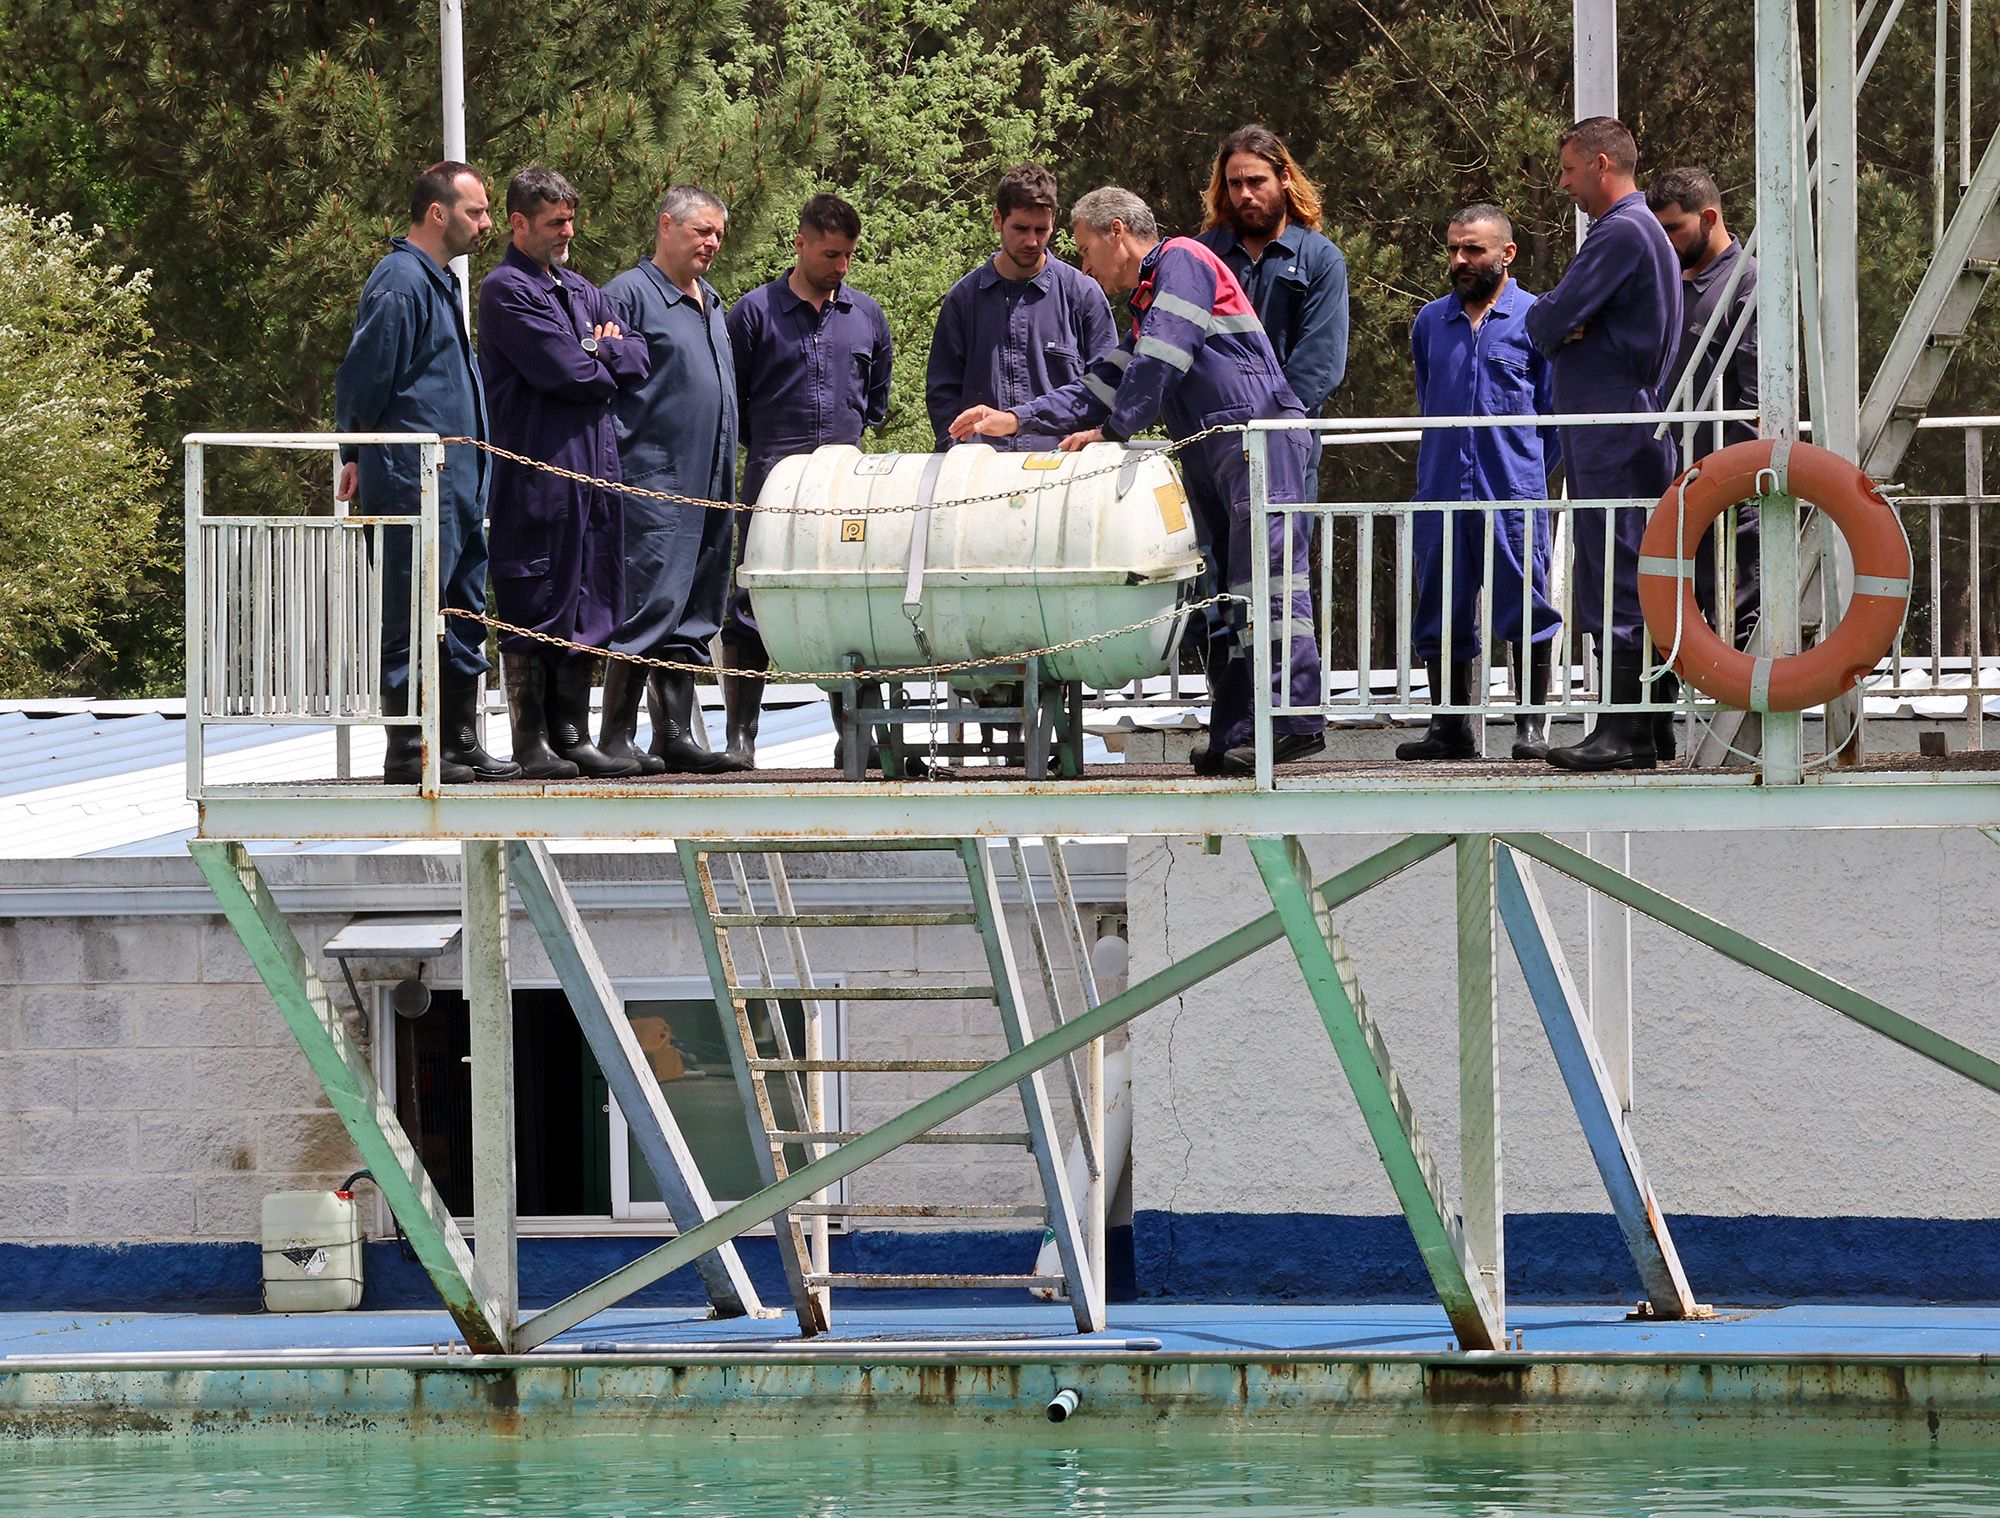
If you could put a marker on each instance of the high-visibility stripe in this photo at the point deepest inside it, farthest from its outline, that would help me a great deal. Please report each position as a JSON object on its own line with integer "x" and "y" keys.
{"x": 1760, "y": 685}
{"x": 1165, "y": 352}
{"x": 1186, "y": 310}
{"x": 1100, "y": 389}
{"x": 1117, "y": 358}
{"x": 1235, "y": 324}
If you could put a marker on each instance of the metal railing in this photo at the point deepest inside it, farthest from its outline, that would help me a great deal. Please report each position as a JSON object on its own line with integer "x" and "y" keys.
{"x": 285, "y": 613}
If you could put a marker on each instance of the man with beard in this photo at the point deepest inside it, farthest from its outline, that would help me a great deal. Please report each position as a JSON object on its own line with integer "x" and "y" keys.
{"x": 1263, "y": 221}
{"x": 409, "y": 368}
{"x": 1611, "y": 331}
{"x": 1022, "y": 323}
{"x": 554, "y": 358}
{"x": 1689, "y": 209}
{"x": 676, "y": 433}
{"x": 812, "y": 367}
{"x": 1197, "y": 358}
{"x": 1473, "y": 358}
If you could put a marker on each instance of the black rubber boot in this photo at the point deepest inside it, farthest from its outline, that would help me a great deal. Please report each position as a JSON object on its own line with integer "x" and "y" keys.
{"x": 458, "y": 729}
{"x": 1286, "y": 748}
{"x": 528, "y": 707}
{"x": 569, "y": 720}
{"x": 1621, "y": 740}
{"x": 678, "y": 736}
{"x": 1531, "y": 728}
{"x": 403, "y": 760}
{"x": 1448, "y": 736}
{"x": 616, "y": 730}
{"x": 742, "y": 708}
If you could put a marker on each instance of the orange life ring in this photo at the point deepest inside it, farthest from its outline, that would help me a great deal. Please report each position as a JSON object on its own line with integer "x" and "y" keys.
{"x": 1840, "y": 661}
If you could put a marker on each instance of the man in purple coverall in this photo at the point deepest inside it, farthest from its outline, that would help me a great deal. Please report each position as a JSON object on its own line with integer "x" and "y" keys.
{"x": 1197, "y": 357}
{"x": 553, "y": 356}
{"x": 1611, "y": 332}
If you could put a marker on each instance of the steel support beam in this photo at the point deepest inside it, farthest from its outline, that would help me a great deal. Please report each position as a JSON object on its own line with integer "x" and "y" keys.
{"x": 600, "y": 1013}
{"x": 1609, "y": 968}
{"x": 489, "y": 999}
{"x": 797, "y": 1187}
{"x": 1591, "y": 1090}
{"x": 363, "y": 1108}
{"x": 1745, "y": 950}
{"x": 1385, "y": 1105}
{"x": 1483, "y": 1204}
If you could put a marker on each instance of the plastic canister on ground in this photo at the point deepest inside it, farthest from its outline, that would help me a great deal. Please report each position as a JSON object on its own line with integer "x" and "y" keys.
{"x": 312, "y": 1252}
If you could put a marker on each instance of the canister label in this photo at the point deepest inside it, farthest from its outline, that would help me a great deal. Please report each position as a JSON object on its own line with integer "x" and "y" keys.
{"x": 1173, "y": 506}
{"x": 853, "y": 529}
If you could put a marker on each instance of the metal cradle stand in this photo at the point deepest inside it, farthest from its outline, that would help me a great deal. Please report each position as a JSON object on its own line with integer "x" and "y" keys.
{"x": 1033, "y": 722}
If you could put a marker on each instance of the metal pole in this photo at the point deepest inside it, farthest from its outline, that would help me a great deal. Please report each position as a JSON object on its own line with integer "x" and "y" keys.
{"x": 1257, "y": 615}
{"x": 1837, "y": 408}
{"x": 489, "y": 996}
{"x": 1608, "y": 971}
{"x": 451, "y": 64}
{"x": 1482, "y": 1199}
{"x": 1594, "y": 60}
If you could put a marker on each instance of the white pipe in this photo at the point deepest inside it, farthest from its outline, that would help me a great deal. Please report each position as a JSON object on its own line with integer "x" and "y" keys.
{"x": 1062, "y": 1404}
{"x": 451, "y": 65}
{"x": 1117, "y": 1151}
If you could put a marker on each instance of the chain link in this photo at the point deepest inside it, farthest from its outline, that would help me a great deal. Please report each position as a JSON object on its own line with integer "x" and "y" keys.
{"x": 948, "y": 667}
{"x": 675, "y": 498}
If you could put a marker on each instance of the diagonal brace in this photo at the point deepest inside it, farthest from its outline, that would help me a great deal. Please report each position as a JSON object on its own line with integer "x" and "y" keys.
{"x": 600, "y": 1013}
{"x": 358, "y": 1100}
{"x": 1597, "y": 1103}
{"x": 1385, "y": 1105}
{"x": 1745, "y": 950}
{"x": 927, "y": 1114}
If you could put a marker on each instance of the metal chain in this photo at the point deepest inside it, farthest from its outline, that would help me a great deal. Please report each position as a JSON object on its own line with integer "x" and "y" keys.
{"x": 948, "y": 667}
{"x": 674, "y": 497}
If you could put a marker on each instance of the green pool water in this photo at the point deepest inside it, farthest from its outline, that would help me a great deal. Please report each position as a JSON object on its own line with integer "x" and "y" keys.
{"x": 974, "y": 1472}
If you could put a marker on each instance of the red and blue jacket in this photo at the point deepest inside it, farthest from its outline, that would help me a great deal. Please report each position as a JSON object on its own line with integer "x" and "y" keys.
{"x": 1196, "y": 357}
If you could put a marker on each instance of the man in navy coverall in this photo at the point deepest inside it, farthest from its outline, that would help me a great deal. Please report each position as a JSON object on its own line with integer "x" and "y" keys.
{"x": 677, "y": 433}
{"x": 409, "y": 368}
{"x": 1196, "y": 357}
{"x": 1473, "y": 358}
{"x": 1611, "y": 329}
{"x": 554, "y": 357}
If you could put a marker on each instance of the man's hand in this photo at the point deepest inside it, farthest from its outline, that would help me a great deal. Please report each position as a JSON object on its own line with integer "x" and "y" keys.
{"x": 606, "y": 329}
{"x": 1078, "y": 440}
{"x": 983, "y": 421}
{"x": 1576, "y": 333}
{"x": 344, "y": 486}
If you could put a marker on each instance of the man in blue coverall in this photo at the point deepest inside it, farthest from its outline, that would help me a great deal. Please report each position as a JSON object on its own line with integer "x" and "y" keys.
{"x": 1611, "y": 330}
{"x": 676, "y": 433}
{"x": 409, "y": 368}
{"x": 1263, "y": 220}
{"x": 813, "y": 360}
{"x": 1196, "y": 357}
{"x": 1473, "y": 358}
{"x": 554, "y": 357}
{"x": 1022, "y": 323}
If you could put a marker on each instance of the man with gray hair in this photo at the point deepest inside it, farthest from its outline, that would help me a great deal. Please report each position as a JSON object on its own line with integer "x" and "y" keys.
{"x": 676, "y": 433}
{"x": 1197, "y": 358}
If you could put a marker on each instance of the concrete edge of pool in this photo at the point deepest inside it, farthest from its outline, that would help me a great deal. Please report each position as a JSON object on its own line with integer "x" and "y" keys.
{"x": 1911, "y": 1372}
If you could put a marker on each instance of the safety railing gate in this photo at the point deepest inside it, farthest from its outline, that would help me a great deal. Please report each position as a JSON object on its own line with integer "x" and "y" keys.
{"x": 285, "y": 614}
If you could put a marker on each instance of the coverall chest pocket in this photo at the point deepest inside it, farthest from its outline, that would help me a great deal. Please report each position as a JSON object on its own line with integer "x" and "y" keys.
{"x": 1507, "y": 382}
{"x": 1063, "y": 362}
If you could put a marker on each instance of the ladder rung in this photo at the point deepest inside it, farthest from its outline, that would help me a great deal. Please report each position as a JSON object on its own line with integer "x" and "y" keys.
{"x": 871, "y": 1066}
{"x": 878, "y": 1279}
{"x": 910, "y": 919}
{"x": 823, "y": 1136}
{"x": 864, "y": 991}
{"x": 915, "y": 1210}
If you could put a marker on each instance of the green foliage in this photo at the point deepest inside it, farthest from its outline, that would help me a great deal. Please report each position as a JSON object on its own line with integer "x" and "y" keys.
{"x": 80, "y": 495}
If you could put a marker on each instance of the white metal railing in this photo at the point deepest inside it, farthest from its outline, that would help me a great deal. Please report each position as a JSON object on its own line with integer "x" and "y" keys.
{"x": 284, "y": 613}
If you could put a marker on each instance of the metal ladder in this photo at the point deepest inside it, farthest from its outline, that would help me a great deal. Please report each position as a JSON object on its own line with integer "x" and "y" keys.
{"x": 763, "y": 1056}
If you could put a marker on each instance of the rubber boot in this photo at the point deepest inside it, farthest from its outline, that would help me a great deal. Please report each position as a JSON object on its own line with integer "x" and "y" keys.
{"x": 458, "y": 730}
{"x": 677, "y": 727}
{"x": 403, "y": 760}
{"x": 742, "y": 708}
{"x": 616, "y": 730}
{"x": 1531, "y": 728}
{"x": 1621, "y": 740}
{"x": 569, "y": 721}
{"x": 527, "y": 706}
{"x": 1448, "y": 736}
{"x": 1286, "y": 748}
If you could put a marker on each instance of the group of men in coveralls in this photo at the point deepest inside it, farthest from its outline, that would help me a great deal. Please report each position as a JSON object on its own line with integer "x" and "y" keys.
{"x": 652, "y": 384}
{"x": 1630, "y": 317}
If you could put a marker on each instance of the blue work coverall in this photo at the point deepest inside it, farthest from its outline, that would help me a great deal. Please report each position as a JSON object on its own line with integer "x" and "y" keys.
{"x": 1623, "y": 289}
{"x": 1002, "y": 342}
{"x": 558, "y": 544}
{"x": 409, "y": 368}
{"x": 676, "y": 432}
{"x": 804, "y": 378}
{"x": 1299, "y": 287}
{"x": 1197, "y": 357}
{"x": 1494, "y": 371}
